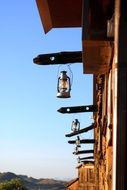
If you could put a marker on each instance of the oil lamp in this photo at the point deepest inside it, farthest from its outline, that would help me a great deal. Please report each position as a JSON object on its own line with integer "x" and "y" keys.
{"x": 76, "y": 149}
{"x": 78, "y": 159}
{"x": 75, "y": 125}
{"x": 78, "y": 141}
{"x": 63, "y": 85}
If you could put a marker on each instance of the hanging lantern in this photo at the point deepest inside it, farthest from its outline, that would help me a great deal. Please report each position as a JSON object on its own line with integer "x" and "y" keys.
{"x": 76, "y": 149}
{"x": 78, "y": 159}
{"x": 63, "y": 85}
{"x": 78, "y": 142}
{"x": 75, "y": 125}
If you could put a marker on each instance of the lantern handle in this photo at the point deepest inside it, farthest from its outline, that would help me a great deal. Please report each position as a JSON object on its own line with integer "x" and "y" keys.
{"x": 71, "y": 74}
{"x": 58, "y": 84}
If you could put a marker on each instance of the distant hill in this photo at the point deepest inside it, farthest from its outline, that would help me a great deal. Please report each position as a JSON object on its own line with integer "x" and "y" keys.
{"x": 35, "y": 184}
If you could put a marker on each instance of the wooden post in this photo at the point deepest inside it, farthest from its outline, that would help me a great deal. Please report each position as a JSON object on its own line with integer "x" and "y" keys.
{"x": 121, "y": 143}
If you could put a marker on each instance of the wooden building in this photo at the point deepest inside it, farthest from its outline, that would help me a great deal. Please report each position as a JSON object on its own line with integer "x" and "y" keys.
{"x": 73, "y": 184}
{"x": 104, "y": 47}
{"x": 86, "y": 175}
{"x": 86, "y": 178}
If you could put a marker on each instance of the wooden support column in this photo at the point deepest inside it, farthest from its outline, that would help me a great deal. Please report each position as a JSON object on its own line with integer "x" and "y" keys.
{"x": 121, "y": 143}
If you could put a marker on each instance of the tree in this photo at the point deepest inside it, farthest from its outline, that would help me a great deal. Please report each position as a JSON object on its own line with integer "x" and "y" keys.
{"x": 14, "y": 184}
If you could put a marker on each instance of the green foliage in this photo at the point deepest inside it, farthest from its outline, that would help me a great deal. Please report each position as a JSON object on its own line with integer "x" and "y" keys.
{"x": 14, "y": 184}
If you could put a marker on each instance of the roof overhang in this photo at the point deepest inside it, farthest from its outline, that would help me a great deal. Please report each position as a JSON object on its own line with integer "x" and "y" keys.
{"x": 72, "y": 182}
{"x": 92, "y": 16}
{"x": 59, "y": 14}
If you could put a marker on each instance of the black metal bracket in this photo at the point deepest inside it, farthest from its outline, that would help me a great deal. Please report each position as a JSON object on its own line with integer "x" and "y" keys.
{"x": 77, "y": 109}
{"x": 83, "y": 152}
{"x": 84, "y": 130}
{"x": 83, "y": 141}
{"x": 58, "y": 58}
{"x": 86, "y": 158}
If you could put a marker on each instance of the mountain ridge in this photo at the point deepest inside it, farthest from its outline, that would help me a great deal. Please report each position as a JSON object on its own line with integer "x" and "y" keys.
{"x": 33, "y": 183}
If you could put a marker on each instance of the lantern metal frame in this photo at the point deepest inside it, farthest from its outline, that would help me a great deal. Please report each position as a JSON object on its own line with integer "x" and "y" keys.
{"x": 78, "y": 143}
{"x": 75, "y": 125}
{"x": 63, "y": 85}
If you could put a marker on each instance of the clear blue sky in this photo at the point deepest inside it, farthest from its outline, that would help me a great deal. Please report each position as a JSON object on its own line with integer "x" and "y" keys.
{"x": 32, "y": 132}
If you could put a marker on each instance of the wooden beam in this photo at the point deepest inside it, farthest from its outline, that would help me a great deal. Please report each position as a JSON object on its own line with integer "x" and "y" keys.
{"x": 85, "y": 20}
{"x": 59, "y": 14}
{"x": 45, "y": 14}
{"x": 59, "y": 58}
{"x": 95, "y": 16}
{"x": 97, "y": 56}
